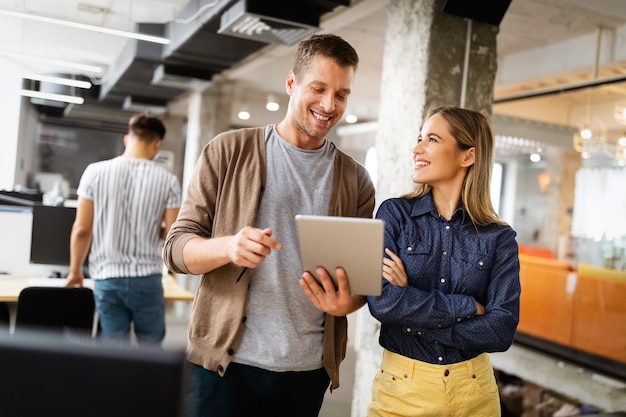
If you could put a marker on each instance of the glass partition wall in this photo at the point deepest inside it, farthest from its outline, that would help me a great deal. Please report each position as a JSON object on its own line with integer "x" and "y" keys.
{"x": 566, "y": 152}
{"x": 594, "y": 126}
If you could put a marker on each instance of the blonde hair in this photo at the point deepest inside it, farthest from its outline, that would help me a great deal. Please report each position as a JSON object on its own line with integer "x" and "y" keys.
{"x": 471, "y": 129}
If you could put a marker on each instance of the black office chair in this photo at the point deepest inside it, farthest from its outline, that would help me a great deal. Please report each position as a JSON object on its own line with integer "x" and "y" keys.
{"x": 66, "y": 309}
{"x": 5, "y": 318}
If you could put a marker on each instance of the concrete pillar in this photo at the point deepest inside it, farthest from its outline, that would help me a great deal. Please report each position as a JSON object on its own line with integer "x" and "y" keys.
{"x": 208, "y": 115}
{"x": 173, "y": 142}
{"x": 430, "y": 58}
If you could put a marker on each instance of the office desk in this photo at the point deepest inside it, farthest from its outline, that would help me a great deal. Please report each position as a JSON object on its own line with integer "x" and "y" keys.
{"x": 11, "y": 285}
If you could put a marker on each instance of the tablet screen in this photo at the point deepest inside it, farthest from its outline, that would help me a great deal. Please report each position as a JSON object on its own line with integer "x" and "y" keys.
{"x": 354, "y": 243}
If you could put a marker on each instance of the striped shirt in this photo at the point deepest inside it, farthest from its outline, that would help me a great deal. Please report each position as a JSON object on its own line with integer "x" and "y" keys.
{"x": 130, "y": 197}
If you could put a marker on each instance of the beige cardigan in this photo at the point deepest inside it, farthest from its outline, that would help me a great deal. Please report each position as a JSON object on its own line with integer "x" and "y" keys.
{"x": 222, "y": 197}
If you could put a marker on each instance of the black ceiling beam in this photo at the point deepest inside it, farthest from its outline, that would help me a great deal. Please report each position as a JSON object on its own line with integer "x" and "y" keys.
{"x": 487, "y": 11}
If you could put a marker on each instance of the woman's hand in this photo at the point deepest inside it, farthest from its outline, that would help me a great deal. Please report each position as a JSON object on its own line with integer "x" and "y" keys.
{"x": 393, "y": 270}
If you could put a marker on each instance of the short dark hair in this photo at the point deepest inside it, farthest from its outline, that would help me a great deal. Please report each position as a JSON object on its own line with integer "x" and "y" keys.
{"x": 331, "y": 46}
{"x": 146, "y": 127}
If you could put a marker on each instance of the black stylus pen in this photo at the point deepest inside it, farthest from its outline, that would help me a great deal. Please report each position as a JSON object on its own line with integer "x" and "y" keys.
{"x": 243, "y": 270}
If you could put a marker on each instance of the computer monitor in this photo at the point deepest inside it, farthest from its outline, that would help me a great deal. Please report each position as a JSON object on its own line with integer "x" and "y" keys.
{"x": 50, "y": 237}
{"x": 46, "y": 374}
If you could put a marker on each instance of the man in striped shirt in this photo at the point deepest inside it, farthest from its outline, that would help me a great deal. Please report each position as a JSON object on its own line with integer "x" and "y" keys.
{"x": 126, "y": 206}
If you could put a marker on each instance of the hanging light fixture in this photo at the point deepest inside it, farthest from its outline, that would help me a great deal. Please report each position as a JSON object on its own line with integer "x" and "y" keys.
{"x": 592, "y": 135}
{"x": 616, "y": 149}
{"x": 52, "y": 61}
{"x": 243, "y": 114}
{"x": 52, "y": 96}
{"x": 244, "y": 106}
{"x": 272, "y": 104}
{"x": 620, "y": 112}
{"x": 350, "y": 116}
{"x": 70, "y": 82}
{"x": 99, "y": 29}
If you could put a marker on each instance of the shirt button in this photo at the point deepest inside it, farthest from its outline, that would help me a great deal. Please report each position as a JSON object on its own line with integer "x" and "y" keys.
{"x": 230, "y": 351}
{"x": 481, "y": 263}
{"x": 458, "y": 319}
{"x": 439, "y": 325}
{"x": 420, "y": 333}
{"x": 220, "y": 368}
{"x": 445, "y": 252}
{"x": 243, "y": 319}
{"x": 408, "y": 330}
{"x": 409, "y": 249}
{"x": 442, "y": 280}
{"x": 446, "y": 373}
{"x": 447, "y": 227}
{"x": 440, "y": 359}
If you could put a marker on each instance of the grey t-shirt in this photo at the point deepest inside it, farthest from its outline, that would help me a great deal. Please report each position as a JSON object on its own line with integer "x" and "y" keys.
{"x": 284, "y": 330}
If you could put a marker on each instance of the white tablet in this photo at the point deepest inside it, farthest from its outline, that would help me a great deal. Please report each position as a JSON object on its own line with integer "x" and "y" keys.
{"x": 356, "y": 244}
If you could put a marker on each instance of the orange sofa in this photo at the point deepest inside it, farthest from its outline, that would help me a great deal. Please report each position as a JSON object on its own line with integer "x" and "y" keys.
{"x": 536, "y": 251}
{"x": 547, "y": 298}
{"x": 582, "y": 308}
{"x": 599, "y": 324}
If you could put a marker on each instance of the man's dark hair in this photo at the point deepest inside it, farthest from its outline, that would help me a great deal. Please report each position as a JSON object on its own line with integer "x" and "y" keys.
{"x": 146, "y": 127}
{"x": 327, "y": 45}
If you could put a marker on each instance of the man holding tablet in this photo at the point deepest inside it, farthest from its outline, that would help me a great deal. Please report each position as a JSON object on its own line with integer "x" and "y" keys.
{"x": 239, "y": 215}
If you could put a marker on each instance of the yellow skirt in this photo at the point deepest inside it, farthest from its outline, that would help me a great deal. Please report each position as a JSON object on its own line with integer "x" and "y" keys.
{"x": 405, "y": 387}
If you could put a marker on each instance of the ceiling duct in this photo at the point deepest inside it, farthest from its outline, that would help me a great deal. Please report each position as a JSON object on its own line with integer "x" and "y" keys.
{"x": 143, "y": 105}
{"x": 254, "y": 20}
{"x": 97, "y": 117}
{"x": 49, "y": 88}
{"x": 183, "y": 78}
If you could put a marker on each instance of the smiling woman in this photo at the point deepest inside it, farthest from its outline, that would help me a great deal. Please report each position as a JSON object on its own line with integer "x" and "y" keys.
{"x": 450, "y": 275}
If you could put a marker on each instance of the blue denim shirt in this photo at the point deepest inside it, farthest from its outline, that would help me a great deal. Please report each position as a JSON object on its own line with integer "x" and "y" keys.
{"x": 450, "y": 265}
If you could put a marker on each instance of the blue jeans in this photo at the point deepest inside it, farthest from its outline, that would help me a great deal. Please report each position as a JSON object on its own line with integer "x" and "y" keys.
{"x": 120, "y": 301}
{"x": 247, "y": 391}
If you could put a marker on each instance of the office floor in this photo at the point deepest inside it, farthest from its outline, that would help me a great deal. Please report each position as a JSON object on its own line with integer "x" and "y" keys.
{"x": 337, "y": 404}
